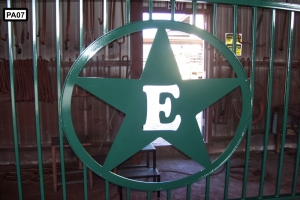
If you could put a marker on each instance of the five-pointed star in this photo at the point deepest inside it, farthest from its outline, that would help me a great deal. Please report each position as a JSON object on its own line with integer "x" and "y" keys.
{"x": 127, "y": 95}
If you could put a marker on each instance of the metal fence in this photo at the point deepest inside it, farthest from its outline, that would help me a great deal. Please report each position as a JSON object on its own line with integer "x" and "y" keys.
{"x": 291, "y": 10}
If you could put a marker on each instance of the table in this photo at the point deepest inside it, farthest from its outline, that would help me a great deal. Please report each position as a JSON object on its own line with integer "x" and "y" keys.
{"x": 143, "y": 170}
{"x": 84, "y": 140}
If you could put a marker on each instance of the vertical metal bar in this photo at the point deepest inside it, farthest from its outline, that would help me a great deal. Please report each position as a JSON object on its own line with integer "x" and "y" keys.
{"x": 81, "y": 26}
{"x": 148, "y": 195}
{"x": 235, "y": 14}
{"x": 81, "y": 43}
{"x": 269, "y": 103}
{"x": 13, "y": 104}
{"x": 248, "y": 139}
{"x": 294, "y": 188}
{"x": 150, "y": 9}
{"x": 207, "y": 187}
{"x": 36, "y": 101}
{"x": 172, "y": 9}
{"x": 188, "y": 192}
{"x": 286, "y": 98}
{"x": 107, "y": 190}
{"x": 194, "y": 12}
{"x": 105, "y": 14}
{"x": 127, "y": 193}
{"x": 168, "y": 194}
{"x": 58, "y": 78}
{"x": 127, "y": 11}
{"x": 227, "y": 173}
{"x": 85, "y": 185}
{"x": 235, "y": 10}
{"x": 215, "y": 9}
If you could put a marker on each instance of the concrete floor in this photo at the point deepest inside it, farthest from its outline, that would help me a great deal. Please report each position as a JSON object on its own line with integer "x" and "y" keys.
{"x": 170, "y": 168}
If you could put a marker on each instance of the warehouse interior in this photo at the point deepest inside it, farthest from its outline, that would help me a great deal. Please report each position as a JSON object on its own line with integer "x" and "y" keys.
{"x": 58, "y": 135}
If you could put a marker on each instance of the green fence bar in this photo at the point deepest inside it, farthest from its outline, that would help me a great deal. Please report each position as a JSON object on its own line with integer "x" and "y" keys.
{"x": 13, "y": 104}
{"x": 194, "y": 11}
{"x": 261, "y": 4}
{"x": 81, "y": 26}
{"x": 58, "y": 78}
{"x": 82, "y": 46}
{"x": 215, "y": 15}
{"x": 296, "y": 165}
{"x": 150, "y": 9}
{"x": 207, "y": 187}
{"x": 148, "y": 195}
{"x": 105, "y": 14}
{"x": 286, "y": 98}
{"x": 269, "y": 103}
{"x": 36, "y": 101}
{"x": 188, "y": 192}
{"x": 85, "y": 185}
{"x": 252, "y": 79}
{"x": 127, "y": 12}
{"x": 172, "y": 9}
{"x": 235, "y": 15}
{"x": 168, "y": 194}
{"x": 107, "y": 190}
{"x": 127, "y": 193}
{"x": 227, "y": 173}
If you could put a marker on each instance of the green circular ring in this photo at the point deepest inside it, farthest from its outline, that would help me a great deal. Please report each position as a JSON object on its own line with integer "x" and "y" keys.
{"x": 90, "y": 51}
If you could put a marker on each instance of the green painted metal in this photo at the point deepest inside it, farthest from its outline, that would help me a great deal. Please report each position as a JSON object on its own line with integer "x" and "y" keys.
{"x": 36, "y": 101}
{"x": 148, "y": 195}
{"x": 248, "y": 139}
{"x": 207, "y": 187}
{"x": 235, "y": 15}
{"x": 172, "y": 9}
{"x": 81, "y": 47}
{"x": 105, "y": 14}
{"x": 286, "y": 98}
{"x": 134, "y": 121}
{"x": 128, "y": 193}
{"x": 215, "y": 12}
{"x": 258, "y": 3}
{"x": 150, "y": 9}
{"x": 58, "y": 78}
{"x": 188, "y": 192}
{"x": 227, "y": 173}
{"x": 194, "y": 12}
{"x": 127, "y": 13}
{"x": 106, "y": 190}
{"x": 13, "y": 104}
{"x": 269, "y": 103}
{"x": 168, "y": 194}
{"x": 81, "y": 26}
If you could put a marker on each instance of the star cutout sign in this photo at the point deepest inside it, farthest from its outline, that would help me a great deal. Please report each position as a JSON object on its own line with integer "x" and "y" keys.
{"x": 159, "y": 104}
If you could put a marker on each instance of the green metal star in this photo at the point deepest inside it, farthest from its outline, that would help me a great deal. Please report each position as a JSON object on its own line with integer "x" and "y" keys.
{"x": 128, "y": 96}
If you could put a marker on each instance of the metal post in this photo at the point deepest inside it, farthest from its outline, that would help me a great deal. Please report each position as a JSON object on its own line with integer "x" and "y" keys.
{"x": 58, "y": 78}
{"x": 172, "y": 9}
{"x": 13, "y": 104}
{"x": 269, "y": 103}
{"x": 248, "y": 139}
{"x": 36, "y": 101}
{"x": 150, "y": 9}
{"x": 286, "y": 98}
